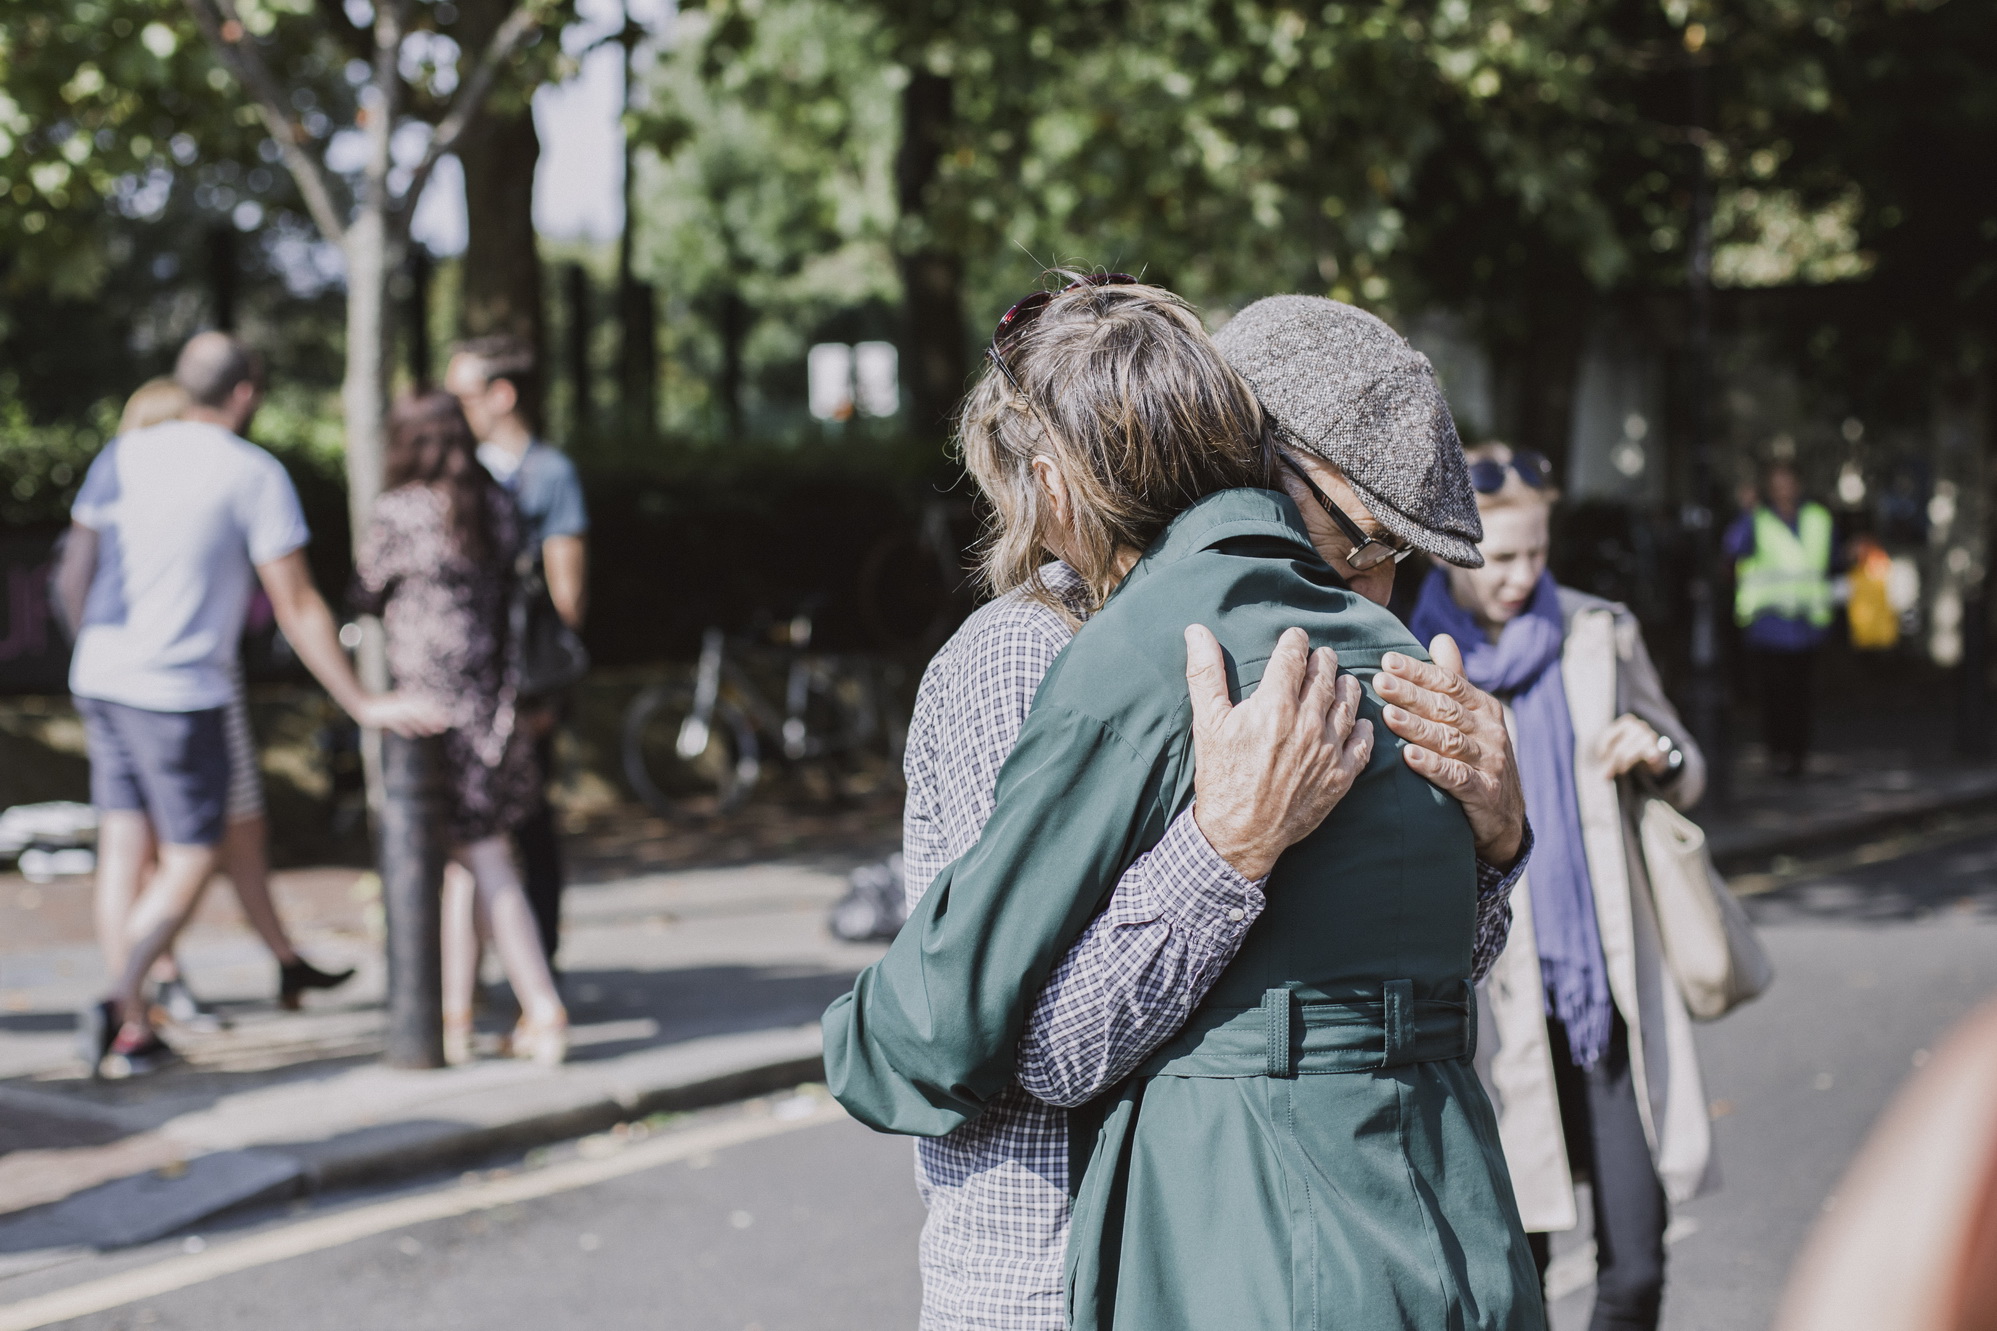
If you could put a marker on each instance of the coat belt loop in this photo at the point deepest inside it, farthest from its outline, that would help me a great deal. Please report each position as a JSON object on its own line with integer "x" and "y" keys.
{"x": 1399, "y": 1022}
{"x": 1276, "y": 1005}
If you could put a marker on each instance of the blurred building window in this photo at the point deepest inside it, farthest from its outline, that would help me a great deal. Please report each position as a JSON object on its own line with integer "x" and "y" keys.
{"x": 842, "y": 378}
{"x": 829, "y": 381}
{"x": 877, "y": 377}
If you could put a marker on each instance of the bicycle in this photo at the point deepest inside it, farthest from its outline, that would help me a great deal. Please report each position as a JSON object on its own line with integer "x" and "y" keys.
{"x": 686, "y": 745}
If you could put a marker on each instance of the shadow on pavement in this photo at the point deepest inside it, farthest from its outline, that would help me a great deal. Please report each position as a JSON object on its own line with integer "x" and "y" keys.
{"x": 698, "y": 1001}
{"x": 1951, "y": 879}
{"x": 37, "y": 1023}
{"x": 614, "y": 1012}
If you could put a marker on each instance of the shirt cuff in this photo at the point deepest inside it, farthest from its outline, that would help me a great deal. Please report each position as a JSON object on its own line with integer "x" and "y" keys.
{"x": 1492, "y": 880}
{"x": 1196, "y": 888}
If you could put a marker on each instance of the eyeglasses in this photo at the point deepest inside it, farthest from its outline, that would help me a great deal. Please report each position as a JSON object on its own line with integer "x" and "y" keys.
{"x": 1487, "y": 475}
{"x": 1024, "y": 312}
{"x": 1367, "y": 551}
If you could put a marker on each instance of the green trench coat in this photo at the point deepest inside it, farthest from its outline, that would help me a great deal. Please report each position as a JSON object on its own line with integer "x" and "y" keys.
{"x": 1313, "y": 1150}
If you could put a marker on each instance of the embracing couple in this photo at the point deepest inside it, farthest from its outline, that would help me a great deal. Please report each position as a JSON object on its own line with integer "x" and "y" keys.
{"x": 1204, "y": 852}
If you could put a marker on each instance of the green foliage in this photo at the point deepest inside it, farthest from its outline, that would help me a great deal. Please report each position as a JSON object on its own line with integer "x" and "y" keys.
{"x": 139, "y": 188}
{"x": 1513, "y": 161}
{"x": 774, "y": 129}
{"x": 42, "y": 466}
{"x": 114, "y": 113}
{"x": 1520, "y": 163}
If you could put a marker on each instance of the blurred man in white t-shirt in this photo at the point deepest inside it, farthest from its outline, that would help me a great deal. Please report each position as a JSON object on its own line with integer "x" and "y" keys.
{"x": 173, "y": 527}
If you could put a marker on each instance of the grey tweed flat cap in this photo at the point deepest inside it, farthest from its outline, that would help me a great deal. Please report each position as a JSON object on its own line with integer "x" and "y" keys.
{"x": 1344, "y": 386}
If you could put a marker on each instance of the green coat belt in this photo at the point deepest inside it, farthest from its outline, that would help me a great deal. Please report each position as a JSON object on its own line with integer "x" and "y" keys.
{"x": 1313, "y": 1150}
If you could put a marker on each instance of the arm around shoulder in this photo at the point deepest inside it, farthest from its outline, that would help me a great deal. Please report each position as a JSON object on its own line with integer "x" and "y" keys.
{"x": 1176, "y": 919}
{"x": 930, "y": 1032}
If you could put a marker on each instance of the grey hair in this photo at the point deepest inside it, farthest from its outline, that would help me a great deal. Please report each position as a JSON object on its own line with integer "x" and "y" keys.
{"x": 1124, "y": 390}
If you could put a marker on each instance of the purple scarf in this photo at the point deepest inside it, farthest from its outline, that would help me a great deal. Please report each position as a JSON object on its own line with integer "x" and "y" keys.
{"x": 1523, "y": 668}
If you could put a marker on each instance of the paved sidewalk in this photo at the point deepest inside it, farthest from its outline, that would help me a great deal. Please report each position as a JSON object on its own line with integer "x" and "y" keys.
{"x": 687, "y": 988}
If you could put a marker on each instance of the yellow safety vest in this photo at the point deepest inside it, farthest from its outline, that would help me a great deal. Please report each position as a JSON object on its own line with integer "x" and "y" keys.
{"x": 1789, "y": 573}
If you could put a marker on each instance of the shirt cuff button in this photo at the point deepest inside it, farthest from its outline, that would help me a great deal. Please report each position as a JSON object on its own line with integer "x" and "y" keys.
{"x": 1237, "y": 915}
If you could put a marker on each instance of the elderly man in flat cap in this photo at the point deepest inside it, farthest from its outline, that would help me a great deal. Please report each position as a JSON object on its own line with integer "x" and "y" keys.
{"x": 1369, "y": 456}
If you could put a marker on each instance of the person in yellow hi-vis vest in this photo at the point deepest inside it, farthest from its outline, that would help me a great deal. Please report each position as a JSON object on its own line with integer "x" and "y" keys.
{"x": 1782, "y": 552}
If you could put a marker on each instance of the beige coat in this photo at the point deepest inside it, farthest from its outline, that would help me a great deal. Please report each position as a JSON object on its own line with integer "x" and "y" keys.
{"x": 1607, "y": 672}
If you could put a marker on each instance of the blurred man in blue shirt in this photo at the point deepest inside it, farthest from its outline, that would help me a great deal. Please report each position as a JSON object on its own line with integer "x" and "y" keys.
{"x": 494, "y": 379}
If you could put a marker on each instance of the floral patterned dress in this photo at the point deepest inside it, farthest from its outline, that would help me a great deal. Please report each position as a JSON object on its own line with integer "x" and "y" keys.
{"x": 445, "y": 617}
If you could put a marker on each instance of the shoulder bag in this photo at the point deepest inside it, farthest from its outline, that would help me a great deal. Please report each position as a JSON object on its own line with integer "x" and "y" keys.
{"x": 547, "y": 655}
{"x": 1709, "y": 944}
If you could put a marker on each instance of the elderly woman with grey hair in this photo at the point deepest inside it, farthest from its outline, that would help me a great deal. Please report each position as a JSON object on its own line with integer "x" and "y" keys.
{"x": 995, "y": 1167}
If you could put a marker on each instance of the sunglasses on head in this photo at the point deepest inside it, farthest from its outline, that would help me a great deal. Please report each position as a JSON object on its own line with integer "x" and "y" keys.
{"x": 1025, "y": 311}
{"x": 1367, "y": 552}
{"x": 1487, "y": 475}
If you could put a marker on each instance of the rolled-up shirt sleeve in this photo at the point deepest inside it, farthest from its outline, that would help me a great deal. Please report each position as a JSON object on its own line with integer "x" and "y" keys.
{"x": 930, "y": 1033}
{"x": 1172, "y": 924}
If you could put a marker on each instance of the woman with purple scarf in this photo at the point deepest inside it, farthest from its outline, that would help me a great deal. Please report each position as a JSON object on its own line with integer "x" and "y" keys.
{"x": 1588, "y": 1047}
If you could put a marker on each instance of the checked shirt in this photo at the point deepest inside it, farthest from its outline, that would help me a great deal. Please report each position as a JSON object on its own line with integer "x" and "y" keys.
{"x": 997, "y": 1188}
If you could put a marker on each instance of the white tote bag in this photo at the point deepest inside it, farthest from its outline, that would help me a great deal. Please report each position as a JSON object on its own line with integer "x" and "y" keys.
{"x": 1709, "y": 944}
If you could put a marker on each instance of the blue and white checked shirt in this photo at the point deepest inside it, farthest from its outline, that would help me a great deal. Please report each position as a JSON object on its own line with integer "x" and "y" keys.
{"x": 997, "y": 1188}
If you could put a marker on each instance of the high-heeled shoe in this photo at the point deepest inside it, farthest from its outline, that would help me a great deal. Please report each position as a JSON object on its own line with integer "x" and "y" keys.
{"x": 295, "y": 977}
{"x": 457, "y": 1039}
{"x": 543, "y": 1042}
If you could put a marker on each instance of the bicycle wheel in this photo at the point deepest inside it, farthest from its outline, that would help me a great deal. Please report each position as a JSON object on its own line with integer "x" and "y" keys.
{"x": 848, "y": 731}
{"x": 679, "y": 768}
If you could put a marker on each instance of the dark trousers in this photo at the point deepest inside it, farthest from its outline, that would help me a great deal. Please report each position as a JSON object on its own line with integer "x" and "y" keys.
{"x": 1786, "y": 682}
{"x": 1605, "y": 1141}
{"x": 540, "y": 850}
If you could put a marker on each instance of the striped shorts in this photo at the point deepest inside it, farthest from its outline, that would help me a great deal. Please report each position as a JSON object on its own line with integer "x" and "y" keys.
{"x": 245, "y": 799}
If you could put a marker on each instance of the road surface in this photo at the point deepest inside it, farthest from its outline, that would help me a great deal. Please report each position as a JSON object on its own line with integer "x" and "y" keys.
{"x": 781, "y": 1216}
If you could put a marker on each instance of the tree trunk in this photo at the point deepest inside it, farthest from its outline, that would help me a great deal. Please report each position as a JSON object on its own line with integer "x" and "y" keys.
{"x": 637, "y": 313}
{"x": 1541, "y": 371}
{"x": 575, "y": 284}
{"x": 364, "y": 392}
{"x": 416, "y": 333}
{"x": 1957, "y": 628}
{"x": 638, "y": 356}
{"x": 932, "y": 358}
{"x": 501, "y": 284}
{"x": 223, "y": 274}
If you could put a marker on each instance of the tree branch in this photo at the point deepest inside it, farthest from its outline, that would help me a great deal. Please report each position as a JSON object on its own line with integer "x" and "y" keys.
{"x": 236, "y": 50}
{"x": 471, "y": 96}
{"x": 380, "y": 110}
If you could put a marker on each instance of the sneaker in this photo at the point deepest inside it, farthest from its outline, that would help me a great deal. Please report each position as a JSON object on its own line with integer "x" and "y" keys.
{"x": 186, "y": 1011}
{"x": 137, "y": 1055}
{"x": 96, "y": 1027}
